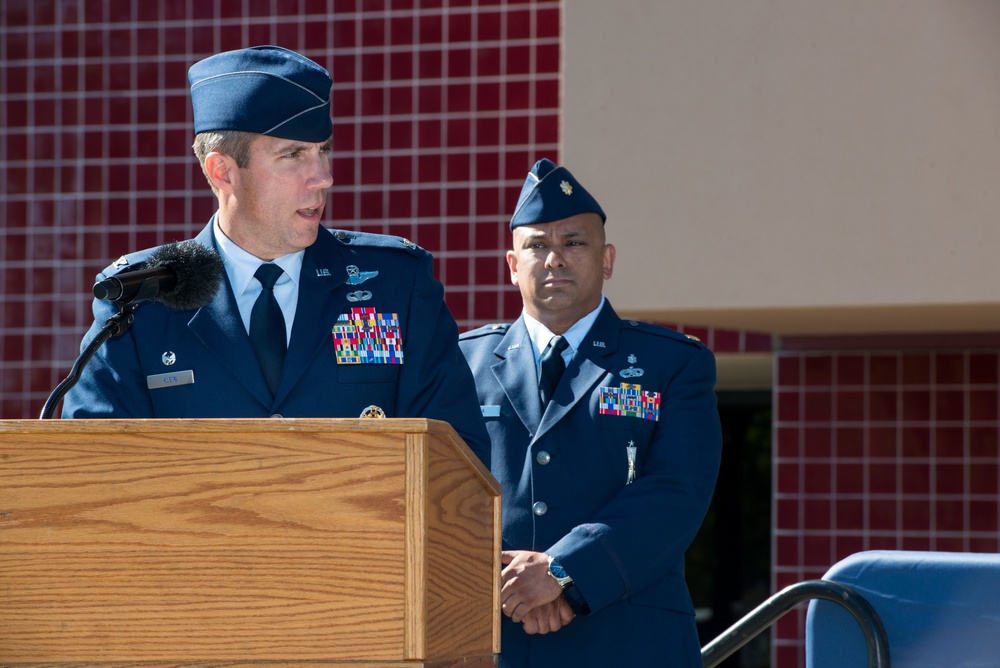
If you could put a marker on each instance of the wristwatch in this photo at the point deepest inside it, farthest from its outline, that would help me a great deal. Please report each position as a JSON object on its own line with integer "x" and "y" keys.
{"x": 570, "y": 591}
{"x": 559, "y": 574}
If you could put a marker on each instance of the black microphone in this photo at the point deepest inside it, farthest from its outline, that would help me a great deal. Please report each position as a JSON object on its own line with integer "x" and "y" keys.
{"x": 182, "y": 276}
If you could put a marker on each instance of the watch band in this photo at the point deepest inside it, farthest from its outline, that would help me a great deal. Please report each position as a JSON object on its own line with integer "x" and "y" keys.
{"x": 572, "y": 593}
{"x": 559, "y": 574}
{"x": 577, "y": 603}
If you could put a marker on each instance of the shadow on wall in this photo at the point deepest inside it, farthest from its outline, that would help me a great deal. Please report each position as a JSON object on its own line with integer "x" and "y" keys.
{"x": 728, "y": 565}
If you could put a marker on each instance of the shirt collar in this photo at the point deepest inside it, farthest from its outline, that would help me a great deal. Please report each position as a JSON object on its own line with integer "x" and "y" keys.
{"x": 540, "y": 334}
{"x": 241, "y": 265}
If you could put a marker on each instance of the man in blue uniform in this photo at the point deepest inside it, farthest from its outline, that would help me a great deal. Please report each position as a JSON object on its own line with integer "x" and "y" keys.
{"x": 307, "y": 322}
{"x": 606, "y": 440}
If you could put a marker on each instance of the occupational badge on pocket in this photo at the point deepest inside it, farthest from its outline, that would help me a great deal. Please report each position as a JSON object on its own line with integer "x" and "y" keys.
{"x": 629, "y": 400}
{"x": 362, "y": 336}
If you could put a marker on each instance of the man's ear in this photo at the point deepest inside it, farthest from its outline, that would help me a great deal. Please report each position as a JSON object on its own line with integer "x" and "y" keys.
{"x": 222, "y": 171}
{"x": 609, "y": 261}
{"x": 512, "y": 263}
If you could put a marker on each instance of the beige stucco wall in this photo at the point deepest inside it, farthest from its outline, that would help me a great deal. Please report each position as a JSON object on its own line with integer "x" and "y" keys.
{"x": 792, "y": 166}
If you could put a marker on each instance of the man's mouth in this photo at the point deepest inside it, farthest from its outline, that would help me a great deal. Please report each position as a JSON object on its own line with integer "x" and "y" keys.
{"x": 556, "y": 281}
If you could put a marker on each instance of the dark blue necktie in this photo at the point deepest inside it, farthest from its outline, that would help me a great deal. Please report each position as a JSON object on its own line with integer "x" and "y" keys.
{"x": 552, "y": 368}
{"x": 267, "y": 327}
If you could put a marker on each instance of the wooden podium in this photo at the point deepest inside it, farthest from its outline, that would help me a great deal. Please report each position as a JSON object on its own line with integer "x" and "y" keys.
{"x": 291, "y": 542}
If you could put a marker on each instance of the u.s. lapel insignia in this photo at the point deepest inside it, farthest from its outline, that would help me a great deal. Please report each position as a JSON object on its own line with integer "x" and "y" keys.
{"x": 168, "y": 358}
{"x": 356, "y": 277}
{"x": 323, "y": 272}
{"x": 359, "y": 296}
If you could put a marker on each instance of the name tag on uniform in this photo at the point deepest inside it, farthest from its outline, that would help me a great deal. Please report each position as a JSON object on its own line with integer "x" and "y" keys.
{"x": 490, "y": 411}
{"x": 161, "y": 380}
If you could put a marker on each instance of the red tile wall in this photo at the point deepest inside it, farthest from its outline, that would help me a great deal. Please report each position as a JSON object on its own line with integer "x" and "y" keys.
{"x": 892, "y": 448}
{"x": 440, "y": 106}
{"x": 726, "y": 340}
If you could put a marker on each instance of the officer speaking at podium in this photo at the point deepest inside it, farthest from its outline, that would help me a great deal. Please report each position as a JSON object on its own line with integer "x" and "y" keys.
{"x": 306, "y": 322}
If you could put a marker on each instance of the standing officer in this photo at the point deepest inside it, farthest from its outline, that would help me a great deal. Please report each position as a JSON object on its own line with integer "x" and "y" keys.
{"x": 606, "y": 440}
{"x": 308, "y": 322}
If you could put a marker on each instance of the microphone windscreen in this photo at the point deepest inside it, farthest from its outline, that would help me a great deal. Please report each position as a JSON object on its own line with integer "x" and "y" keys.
{"x": 198, "y": 270}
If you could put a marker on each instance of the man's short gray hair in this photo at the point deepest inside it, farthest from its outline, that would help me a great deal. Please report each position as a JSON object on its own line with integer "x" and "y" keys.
{"x": 234, "y": 143}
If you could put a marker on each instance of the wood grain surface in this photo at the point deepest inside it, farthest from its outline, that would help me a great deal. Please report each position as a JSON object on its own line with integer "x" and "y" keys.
{"x": 245, "y": 542}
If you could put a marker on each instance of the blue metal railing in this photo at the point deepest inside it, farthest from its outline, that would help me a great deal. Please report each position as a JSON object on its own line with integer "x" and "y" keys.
{"x": 768, "y": 612}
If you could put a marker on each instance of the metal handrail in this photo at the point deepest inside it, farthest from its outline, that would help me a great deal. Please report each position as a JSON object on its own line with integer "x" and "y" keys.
{"x": 768, "y": 612}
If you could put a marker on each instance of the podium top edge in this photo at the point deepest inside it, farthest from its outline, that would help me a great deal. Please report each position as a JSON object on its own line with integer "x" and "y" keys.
{"x": 11, "y": 429}
{"x": 275, "y": 424}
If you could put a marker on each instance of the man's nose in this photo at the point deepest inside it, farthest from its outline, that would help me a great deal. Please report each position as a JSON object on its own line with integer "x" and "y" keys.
{"x": 322, "y": 176}
{"x": 554, "y": 259}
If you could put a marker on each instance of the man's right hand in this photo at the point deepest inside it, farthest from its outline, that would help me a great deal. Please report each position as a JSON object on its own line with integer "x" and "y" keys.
{"x": 548, "y": 618}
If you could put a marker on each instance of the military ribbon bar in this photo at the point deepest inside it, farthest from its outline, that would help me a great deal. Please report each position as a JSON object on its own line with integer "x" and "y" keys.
{"x": 362, "y": 336}
{"x": 630, "y": 401}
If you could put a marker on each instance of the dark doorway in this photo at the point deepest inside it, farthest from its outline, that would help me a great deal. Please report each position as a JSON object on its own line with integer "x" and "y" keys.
{"x": 728, "y": 566}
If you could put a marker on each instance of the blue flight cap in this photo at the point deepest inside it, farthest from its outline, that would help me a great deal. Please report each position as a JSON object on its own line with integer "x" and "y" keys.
{"x": 267, "y": 90}
{"x": 551, "y": 193}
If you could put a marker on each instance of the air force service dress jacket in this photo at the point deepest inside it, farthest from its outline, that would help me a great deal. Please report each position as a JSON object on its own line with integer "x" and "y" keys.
{"x": 618, "y": 523}
{"x": 348, "y": 279}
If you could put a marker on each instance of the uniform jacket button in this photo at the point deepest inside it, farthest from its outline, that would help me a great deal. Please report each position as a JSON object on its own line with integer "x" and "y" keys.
{"x": 539, "y": 508}
{"x": 543, "y": 458}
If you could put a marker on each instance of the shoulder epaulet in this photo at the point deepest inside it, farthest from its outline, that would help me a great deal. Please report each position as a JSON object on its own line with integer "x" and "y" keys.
{"x": 659, "y": 330}
{"x": 485, "y": 330}
{"x": 389, "y": 241}
{"x": 129, "y": 261}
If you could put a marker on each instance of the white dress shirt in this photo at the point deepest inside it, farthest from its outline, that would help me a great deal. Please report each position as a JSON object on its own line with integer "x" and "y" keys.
{"x": 541, "y": 335}
{"x": 240, "y": 267}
